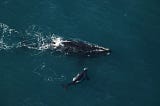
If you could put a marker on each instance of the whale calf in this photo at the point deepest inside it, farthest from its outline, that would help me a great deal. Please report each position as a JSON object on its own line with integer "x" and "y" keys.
{"x": 78, "y": 78}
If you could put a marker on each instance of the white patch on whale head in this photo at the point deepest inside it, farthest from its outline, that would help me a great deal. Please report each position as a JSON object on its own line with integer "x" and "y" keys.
{"x": 74, "y": 79}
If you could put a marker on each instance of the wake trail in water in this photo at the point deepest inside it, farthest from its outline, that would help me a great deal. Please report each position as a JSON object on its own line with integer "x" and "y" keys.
{"x": 33, "y": 38}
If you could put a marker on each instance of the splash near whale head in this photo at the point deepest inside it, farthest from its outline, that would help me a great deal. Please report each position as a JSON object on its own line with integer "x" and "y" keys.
{"x": 56, "y": 42}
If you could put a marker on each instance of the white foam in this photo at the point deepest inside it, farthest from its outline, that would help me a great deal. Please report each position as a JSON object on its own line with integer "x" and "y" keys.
{"x": 6, "y": 29}
{"x": 6, "y": 35}
{"x": 56, "y": 42}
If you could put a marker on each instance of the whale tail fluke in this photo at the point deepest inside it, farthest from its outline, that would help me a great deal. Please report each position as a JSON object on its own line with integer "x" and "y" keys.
{"x": 65, "y": 86}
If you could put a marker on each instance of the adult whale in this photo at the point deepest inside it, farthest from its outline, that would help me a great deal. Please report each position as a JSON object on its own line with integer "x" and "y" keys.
{"x": 77, "y": 47}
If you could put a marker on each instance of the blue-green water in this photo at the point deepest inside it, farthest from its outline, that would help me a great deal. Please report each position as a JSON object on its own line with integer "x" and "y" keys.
{"x": 33, "y": 77}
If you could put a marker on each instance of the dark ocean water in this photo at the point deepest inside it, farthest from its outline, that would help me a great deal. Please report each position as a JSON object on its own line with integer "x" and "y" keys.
{"x": 33, "y": 77}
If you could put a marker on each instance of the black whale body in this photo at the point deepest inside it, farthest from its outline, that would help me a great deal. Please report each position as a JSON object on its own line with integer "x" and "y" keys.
{"x": 82, "y": 48}
{"x": 78, "y": 78}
